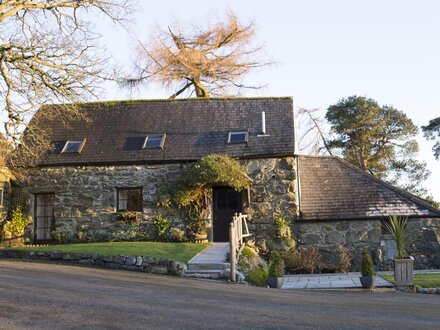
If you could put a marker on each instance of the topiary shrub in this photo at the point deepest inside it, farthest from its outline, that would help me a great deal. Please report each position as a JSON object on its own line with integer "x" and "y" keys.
{"x": 367, "y": 268}
{"x": 276, "y": 268}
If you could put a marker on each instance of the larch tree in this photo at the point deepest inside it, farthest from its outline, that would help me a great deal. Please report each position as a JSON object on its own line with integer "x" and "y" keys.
{"x": 432, "y": 132}
{"x": 378, "y": 139}
{"x": 206, "y": 61}
{"x": 48, "y": 54}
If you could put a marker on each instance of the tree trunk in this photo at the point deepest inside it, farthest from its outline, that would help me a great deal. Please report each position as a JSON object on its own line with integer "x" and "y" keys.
{"x": 200, "y": 90}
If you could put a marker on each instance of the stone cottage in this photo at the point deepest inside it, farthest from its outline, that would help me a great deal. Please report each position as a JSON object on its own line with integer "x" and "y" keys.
{"x": 118, "y": 159}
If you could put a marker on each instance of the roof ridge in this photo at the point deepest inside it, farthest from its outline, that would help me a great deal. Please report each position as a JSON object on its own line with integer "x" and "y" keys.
{"x": 418, "y": 200}
{"x": 128, "y": 101}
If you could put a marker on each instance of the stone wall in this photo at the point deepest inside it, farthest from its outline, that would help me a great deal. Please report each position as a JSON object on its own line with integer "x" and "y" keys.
{"x": 425, "y": 235}
{"x": 133, "y": 263}
{"x": 273, "y": 194}
{"x": 85, "y": 196}
{"x": 356, "y": 235}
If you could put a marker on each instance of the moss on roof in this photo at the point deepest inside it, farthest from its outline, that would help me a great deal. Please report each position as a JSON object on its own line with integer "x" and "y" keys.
{"x": 196, "y": 99}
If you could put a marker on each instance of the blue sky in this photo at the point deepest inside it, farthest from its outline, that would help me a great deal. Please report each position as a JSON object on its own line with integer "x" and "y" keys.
{"x": 325, "y": 50}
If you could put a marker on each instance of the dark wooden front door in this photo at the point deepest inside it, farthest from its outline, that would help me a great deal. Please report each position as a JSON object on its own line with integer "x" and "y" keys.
{"x": 227, "y": 201}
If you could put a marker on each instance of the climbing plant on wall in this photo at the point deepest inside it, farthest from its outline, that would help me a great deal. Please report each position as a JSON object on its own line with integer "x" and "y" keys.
{"x": 193, "y": 192}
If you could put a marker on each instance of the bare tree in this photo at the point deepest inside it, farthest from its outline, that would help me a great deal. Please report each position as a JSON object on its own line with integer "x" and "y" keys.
{"x": 48, "y": 54}
{"x": 210, "y": 60}
{"x": 311, "y": 135}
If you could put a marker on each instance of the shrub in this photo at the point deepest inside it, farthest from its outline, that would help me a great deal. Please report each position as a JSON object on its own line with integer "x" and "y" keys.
{"x": 128, "y": 216}
{"x": 257, "y": 276}
{"x": 161, "y": 224}
{"x": 302, "y": 260}
{"x": 17, "y": 225}
{"x": 276, "y": 268}
{"x": 176, "y": 235}
{"x": 248, "y": 260}
{"x": 282, "y": 228}
{"x": 129, "y": 233}
{"x": 367, "y": 268}
{"x": 345, "y": 259}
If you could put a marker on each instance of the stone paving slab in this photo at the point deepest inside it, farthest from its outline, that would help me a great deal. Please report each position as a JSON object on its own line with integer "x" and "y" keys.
{"x": 328, "y": 281}
{"x": 214, "y": 254}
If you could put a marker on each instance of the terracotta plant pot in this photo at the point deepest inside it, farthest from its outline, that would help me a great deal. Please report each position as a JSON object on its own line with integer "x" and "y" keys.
{"x": 368, "y": 282}
{"x": 201, "y": 238}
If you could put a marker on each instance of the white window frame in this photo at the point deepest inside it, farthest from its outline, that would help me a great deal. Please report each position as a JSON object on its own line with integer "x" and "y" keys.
{"x": 238, "y": 132}
{"x": 82, "y": 142}
{"x": 162, "y": 141}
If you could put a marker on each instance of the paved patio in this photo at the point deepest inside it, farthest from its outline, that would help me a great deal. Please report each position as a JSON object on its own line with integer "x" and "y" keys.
{"x": 328, "y": 281}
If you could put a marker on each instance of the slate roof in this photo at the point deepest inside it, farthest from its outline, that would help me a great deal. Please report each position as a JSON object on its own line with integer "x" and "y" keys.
{"x": 332, "y": 189}
{"x": 194, "y": 128}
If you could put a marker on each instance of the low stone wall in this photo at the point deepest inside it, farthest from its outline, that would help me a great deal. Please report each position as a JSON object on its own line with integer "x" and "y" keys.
{"x": 132, "y": 263}
{"x": 356, "y": 235}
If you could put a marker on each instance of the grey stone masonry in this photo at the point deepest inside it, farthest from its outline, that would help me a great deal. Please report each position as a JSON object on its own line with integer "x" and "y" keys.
{"x": 132, "y": 263}
{"x": 85, "y": 196}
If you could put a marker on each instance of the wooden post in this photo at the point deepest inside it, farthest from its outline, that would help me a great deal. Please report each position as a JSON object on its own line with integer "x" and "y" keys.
{"x": 232, "y": 249}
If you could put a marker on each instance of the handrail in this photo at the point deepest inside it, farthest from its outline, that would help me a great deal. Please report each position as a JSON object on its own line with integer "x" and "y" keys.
{"x": 238, "y": 230}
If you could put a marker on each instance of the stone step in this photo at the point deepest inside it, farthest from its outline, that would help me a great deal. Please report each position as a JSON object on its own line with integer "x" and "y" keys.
{"x": 208, "y": 274}
{"x": 208, "y": 266}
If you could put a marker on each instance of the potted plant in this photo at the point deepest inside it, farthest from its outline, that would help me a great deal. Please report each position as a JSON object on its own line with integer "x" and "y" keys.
{"x": 275, "y": 273}
{"x": 403, "y": 265}
{"x": 367, "y": 279}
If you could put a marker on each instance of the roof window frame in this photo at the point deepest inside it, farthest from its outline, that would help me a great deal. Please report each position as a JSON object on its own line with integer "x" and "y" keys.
{"x": 81, "y": 146}
{"x": 246, "y": 140}
{"x": 162, "y": 142}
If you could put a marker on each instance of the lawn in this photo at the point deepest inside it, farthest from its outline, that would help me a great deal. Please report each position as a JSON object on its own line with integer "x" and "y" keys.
{"x": 420, "y": 280}
{"x": 171, "y": 251}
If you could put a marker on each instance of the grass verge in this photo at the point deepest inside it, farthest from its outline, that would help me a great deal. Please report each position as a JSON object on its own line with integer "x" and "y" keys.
{"x": 171, "y": 251}
{"x": 420, "y": 280}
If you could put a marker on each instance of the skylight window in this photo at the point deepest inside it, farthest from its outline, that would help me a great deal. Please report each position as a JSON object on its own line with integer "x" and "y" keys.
{"x": 238, "y": 137}
{"x": 73, "y": 146}
{"x": 154, "y": 141}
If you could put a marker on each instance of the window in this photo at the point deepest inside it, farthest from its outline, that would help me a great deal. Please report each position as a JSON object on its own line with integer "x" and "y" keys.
{"x": 129, "y": 199}
{"x": 73, "y": 146}
{"x": 44, "y": 216}
{"x": 238, "y": 137}
{"x": 154, "y": 141}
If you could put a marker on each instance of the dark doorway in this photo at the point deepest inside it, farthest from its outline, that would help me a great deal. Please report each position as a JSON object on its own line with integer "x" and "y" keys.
{"x": 226, "y": 202}
{"x": 44, "y": 219}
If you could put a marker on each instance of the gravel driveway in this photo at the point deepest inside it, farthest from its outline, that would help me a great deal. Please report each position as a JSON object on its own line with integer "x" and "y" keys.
{"x": 48, "y": 296}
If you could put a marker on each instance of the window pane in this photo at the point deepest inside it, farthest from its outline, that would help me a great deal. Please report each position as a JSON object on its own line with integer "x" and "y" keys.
{"x": 130, "y": 199}
{"x": 235, "y": 137}
{"x": 72, "y": 146}
{"x": 153, "y": 141}
{"x": 135, "y": 200}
